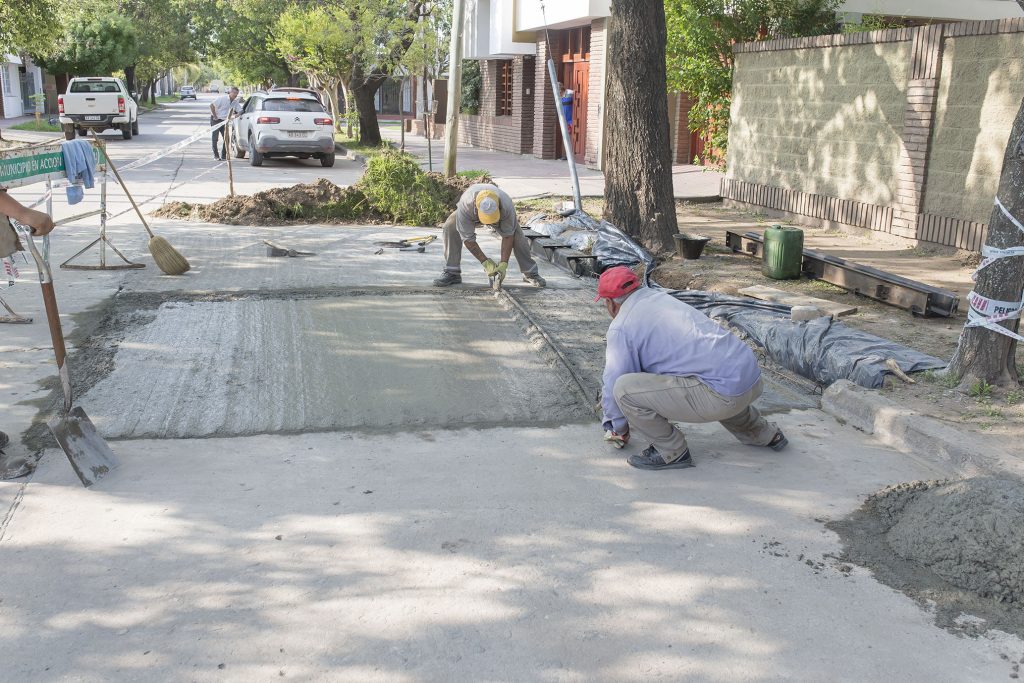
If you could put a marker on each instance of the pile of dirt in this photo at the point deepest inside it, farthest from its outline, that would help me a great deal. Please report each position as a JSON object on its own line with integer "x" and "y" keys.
{"x": 318, "y": 202}
{"x": 956, "y": 545}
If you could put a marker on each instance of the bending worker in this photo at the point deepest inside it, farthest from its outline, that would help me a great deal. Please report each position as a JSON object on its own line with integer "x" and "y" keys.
{"x": 41, "y": 224}
{"x": 485, "y": 205}
{"x": 668, "y": 362}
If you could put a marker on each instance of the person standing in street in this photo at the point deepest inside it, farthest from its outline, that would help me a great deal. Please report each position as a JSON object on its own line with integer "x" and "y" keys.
{"x": 41, "y": 224}
{"x": 667, "y": 362}
{"x": 220, "y": 109}
{"x": 482, "y": 205}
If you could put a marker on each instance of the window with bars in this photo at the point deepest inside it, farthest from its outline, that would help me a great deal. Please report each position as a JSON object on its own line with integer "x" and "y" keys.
{"x": 504, "y": 99}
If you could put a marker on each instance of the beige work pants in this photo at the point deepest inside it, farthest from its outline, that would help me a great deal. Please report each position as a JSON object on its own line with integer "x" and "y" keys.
{"x": 453, "y": 250}
{"x": 651, "y": 403}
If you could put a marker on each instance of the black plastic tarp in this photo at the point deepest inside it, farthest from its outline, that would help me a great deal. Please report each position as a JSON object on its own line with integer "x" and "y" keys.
{"x": 822, "y": 350}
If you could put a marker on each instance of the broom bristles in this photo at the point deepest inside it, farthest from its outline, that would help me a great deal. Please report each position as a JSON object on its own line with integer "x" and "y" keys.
{"x": 167, "y": 258}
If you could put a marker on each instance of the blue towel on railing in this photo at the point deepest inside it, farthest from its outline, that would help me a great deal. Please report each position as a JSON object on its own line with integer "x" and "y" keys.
{"x": 80, "y": 166}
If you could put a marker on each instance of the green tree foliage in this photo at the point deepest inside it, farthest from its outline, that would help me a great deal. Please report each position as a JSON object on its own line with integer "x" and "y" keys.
{"x": 99, "y": 47}
{"x": 397, "y": 187}
{"x": 237, "y": 37}
{"x": 30, "y": 26}
{"x": 471, "y": 85}
{"x": 318, "y": 41}
{"x": 701, "y": 34}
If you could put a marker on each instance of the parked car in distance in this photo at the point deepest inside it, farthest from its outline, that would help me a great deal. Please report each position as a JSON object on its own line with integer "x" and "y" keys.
{"x": 187, "y": 91}
{"x": 283, "y": 124}
{"x": 97, "y": 104}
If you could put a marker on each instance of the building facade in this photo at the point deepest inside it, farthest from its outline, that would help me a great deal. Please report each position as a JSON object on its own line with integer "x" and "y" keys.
{"x": 20, "y": 79}
{"x": 513, "y": 40}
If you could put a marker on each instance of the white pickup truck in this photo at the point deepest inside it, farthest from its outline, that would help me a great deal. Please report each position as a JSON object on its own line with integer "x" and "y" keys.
{"x": 97, "y": 103}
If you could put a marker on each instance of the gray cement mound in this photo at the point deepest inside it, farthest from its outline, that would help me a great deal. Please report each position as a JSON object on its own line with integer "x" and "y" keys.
{"x": 957, "y": 546}
{"x": 969, "y": 532}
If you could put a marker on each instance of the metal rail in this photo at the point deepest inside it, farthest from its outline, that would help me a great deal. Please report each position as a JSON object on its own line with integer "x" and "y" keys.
{"x": 916, "y": 297}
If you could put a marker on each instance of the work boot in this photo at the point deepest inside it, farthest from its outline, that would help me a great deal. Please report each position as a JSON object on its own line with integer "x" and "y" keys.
{"x": 535, "y": 279}
{"x": 651, "y": 459}
{"x": 778, "y": 442}
{"x": 448, "y": 278}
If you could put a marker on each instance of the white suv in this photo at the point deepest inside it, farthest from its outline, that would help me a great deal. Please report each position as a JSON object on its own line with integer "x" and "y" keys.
{"x": 283, "y": 124}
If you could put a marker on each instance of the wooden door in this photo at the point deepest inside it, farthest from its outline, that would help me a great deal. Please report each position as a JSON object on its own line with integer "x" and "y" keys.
{"x": 580, "y": 88}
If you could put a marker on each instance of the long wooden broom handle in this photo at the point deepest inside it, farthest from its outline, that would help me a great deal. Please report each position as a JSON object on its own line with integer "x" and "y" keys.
{"x": 120, "y": 182}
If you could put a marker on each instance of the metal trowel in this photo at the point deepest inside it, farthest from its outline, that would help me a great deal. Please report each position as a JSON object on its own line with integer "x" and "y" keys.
{"x": 90, "y": 456}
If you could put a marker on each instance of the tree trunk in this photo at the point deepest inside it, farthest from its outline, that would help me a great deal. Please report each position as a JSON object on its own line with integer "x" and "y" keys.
{"x": 638, "y": 156}
{"x": 129, "y": 78}
{"x": 369, "y": 130}
{"x": 349, "y": 103}
{"x": 152, "y": 91}
{"x": 982, "y": 353}
{"x": 331, "y": 91}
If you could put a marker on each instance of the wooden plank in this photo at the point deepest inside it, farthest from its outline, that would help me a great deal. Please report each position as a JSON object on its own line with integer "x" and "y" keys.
{"x": 551, "y": 243}
{"x": 793, "y": 299}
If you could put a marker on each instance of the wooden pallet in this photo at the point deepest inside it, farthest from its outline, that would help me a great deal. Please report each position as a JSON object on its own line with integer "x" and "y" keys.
{"x": 778, "y": 296}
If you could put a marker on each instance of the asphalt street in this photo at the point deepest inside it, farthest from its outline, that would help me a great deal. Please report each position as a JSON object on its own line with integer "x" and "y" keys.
{"x": 332, "y": 471}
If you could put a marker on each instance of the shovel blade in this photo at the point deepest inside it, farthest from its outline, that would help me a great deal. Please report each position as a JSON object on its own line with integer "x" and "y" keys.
{"x": 90, "y": 456}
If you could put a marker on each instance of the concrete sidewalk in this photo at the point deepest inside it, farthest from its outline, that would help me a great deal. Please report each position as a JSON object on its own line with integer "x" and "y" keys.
{"x": 465, "y": 523}
{"x": 525, "y": 176}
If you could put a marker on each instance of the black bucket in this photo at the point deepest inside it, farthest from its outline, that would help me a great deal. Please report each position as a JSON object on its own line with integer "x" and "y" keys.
{"x": 690, "y": 246}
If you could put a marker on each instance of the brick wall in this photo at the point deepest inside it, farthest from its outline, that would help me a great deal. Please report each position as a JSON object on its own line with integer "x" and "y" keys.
{"x": 681, "y": 152}
{"x": 512, "y": 133}
{"x": 545, "y": 119}
{"x": 899, "y": 131}
{"x": 595, "y": 122}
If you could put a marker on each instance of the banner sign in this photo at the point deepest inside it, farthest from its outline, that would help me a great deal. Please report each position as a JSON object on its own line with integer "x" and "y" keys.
{"x": 20, "y": 167}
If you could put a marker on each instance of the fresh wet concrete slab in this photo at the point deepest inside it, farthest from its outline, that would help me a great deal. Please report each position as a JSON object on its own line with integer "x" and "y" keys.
{"x": 514, "y": 554}
{"x": 351, "y": 361}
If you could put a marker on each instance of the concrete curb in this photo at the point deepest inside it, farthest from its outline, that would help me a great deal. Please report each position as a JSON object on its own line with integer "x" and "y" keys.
{"x": 925, "y": 438}
{"x": 347, "y": 154}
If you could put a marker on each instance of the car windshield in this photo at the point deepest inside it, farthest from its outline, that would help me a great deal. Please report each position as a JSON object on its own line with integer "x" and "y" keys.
{"x": 93, "y": 86}
{"x": 292, "y": 105}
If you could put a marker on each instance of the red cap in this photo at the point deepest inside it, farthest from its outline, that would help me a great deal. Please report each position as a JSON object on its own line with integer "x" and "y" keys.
{"x": 616, "y": 282}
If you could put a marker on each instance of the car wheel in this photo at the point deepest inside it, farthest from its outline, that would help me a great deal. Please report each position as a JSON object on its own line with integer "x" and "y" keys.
{"x": 126, "y": 131}
{"x": 237, "y": 149}
{"x": 255, "y": 158}
{"x": 69, "y": 132}
{"x": 327, "y": 160}
{"x": 135, "y": 127}
{"x": 82, "y": 132}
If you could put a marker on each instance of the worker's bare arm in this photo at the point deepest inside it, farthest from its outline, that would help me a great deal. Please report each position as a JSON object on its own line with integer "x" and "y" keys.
{"x": 40, "y": 223}
{"x": 475, "y": 250}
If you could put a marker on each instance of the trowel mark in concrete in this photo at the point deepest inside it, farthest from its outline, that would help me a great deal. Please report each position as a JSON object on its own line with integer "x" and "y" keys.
{"x": 261, "y": 366}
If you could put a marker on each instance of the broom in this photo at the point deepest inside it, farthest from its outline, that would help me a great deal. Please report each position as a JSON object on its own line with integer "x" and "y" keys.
{"x": 167, "y": 258}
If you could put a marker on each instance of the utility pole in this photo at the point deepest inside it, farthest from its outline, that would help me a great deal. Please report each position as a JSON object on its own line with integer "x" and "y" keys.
{"x": 451, "y": 128}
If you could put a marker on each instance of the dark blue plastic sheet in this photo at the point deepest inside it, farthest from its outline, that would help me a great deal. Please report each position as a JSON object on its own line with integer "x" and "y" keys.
{"x": 822, "y": 350}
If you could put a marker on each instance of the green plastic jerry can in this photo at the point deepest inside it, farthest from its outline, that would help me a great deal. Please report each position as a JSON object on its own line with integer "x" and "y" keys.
{"x": 783, "y": 253}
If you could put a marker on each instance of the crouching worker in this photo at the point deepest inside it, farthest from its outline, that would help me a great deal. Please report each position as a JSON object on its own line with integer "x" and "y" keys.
{"x": 485, "y": 205}
{"x": 668, "y": 362}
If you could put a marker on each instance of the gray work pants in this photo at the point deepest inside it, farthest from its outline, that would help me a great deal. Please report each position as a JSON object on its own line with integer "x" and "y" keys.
{"x": 651, "y": 403}
{"x": 453, "y": 250}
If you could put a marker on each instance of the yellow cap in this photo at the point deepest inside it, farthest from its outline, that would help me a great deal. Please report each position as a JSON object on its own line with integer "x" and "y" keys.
{"x": 487, "y": 207}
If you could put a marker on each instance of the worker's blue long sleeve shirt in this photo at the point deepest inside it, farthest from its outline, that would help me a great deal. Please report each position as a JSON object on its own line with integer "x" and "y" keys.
{"x": 658, "y": 334}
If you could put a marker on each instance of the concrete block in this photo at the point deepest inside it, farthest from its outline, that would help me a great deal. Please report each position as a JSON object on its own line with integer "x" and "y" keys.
{"x": 801, "y": 313}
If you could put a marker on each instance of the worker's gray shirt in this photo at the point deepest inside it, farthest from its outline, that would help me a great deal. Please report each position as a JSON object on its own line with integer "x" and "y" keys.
{"x": 8, "y": 238}
{"x": 467, "y": 220}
